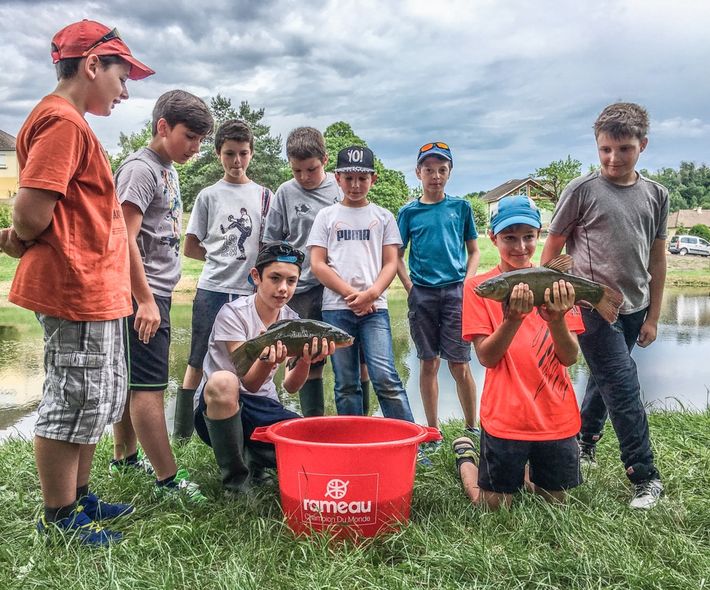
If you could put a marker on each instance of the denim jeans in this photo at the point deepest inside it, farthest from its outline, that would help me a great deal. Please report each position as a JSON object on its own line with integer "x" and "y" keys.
{"x": 372, "y": 333}
{"x": 613, "y": 389}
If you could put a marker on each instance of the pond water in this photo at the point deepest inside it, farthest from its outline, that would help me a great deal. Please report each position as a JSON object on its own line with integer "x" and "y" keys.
{"x": 674, "y": 371}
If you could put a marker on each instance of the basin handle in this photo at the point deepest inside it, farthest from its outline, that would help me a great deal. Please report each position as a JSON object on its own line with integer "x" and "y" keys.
{"x": 260, "y": 433}
{"x": 432, "y": 434}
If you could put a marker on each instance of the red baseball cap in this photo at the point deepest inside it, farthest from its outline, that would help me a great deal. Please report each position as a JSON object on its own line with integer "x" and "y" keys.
{"x": 86, "y": 37}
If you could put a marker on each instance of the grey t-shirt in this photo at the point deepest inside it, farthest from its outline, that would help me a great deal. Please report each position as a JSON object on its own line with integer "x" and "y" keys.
{"x": 226, "y": 218}
{"x": 238, "y": 321}
{"x": 610, "y": 230}
{"x": 291, "y": 217}
{"x": 152, "y": 185}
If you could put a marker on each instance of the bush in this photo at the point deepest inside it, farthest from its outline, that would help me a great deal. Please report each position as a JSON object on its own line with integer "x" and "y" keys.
{"x": 5, "y": 216}
{"x": 701, "y": 231}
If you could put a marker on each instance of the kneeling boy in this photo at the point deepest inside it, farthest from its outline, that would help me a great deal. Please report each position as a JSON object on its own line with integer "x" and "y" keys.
{"x": 529, "y": 412}
{"x": 230, "y": 408}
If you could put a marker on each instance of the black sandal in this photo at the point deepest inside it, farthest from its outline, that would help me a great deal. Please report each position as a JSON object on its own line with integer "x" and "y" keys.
{"x": 465, "y": 452}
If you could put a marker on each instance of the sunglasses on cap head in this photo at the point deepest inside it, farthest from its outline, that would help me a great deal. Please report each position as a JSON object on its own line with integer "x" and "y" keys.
{"x": 427, "y": 146}
{"x": 110, "y": 36}
{"x": 286, "y": 253}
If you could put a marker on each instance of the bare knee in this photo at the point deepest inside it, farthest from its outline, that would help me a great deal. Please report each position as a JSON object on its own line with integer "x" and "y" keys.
{"x": 460, "y": 371}
{"x": 430, "y": 366}
{"x": 494, "y": 500}
{"x": 222, "y": 392}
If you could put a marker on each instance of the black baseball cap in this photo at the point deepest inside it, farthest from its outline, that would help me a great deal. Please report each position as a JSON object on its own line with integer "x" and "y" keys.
{"x": 355, "y": 158}
{"x": 279, "y": 252}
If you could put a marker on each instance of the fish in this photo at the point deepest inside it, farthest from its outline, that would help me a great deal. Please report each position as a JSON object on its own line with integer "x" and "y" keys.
{"x": 293, "y": 334}
{"x": 604, "y": 299}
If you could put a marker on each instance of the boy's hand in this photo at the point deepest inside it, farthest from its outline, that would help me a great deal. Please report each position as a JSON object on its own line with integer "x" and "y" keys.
{"x": 274, "y": 354}
{"x": 361, "y": 302}
{"x": 147, "y": 320}
{"x": 316, "y": 352}
{"x": 558, "y": 301}
{"x": 520, "y": 303}
{"x": 11, "y": 244}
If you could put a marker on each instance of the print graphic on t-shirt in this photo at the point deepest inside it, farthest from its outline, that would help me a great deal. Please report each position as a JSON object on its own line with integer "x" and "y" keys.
{"x": 171, "y": 192}
{"x": 233, "y": 245}
{"x": 302, "y": 209}
{"x": 345, "y": 232}
{"x": 549, "y": 364}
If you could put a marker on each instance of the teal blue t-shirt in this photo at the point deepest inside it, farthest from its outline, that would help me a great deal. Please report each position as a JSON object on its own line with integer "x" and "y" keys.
{"x": 438, "y": 234}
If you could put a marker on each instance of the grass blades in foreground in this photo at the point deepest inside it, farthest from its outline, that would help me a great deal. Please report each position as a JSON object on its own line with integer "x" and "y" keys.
{"x": 594, "y": 541}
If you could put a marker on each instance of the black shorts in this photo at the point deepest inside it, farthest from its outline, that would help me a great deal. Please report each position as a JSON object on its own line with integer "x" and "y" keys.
{"x": 554, "y": 464}
{"x": 257, "y": 410}
{"x": 148, "y": 363}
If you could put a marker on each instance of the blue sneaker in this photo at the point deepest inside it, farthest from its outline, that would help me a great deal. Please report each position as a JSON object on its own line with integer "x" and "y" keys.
{"x": 78, "y": 526}
{"x": 423, "y": 460}
{"x": 96, "y": 509}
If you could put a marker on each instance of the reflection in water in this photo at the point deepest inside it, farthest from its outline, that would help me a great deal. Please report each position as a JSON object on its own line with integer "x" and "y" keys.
{"x": 673, "y": 371}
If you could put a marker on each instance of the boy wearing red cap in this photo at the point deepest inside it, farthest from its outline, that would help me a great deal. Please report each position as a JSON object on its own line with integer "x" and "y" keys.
{"x": 69, "y": 230}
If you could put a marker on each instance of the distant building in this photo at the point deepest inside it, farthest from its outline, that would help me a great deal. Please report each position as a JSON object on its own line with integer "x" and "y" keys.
{"x": 543, "y": 197}
{"x": 687, "y": 218}
{"x": 9, "y": 170}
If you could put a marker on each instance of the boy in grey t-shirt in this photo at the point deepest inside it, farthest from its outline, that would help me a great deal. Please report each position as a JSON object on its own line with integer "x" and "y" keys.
{"x": 593, "y": 211}
{"x": 148, "y": 188}
{"x": 224, "y": 231}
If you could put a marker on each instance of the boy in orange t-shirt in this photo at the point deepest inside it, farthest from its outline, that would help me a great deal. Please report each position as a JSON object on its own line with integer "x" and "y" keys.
{"x": 529, "y": 412}
{"x": 74, "y": 272}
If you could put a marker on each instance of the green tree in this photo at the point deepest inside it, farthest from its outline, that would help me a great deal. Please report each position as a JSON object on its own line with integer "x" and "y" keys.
{"x": 700, "y": 230}
{"x": 480, "y": 209}
{"x": 390, "y": 191}
{"x": 267, "y": 167}
{"x": 557, "y": 175}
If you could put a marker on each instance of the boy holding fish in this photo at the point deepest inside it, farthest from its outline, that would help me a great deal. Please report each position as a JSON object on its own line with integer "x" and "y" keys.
{"x": 529, "y": 413}
{"x": 593, "y": 212}
{"x": 231, "y": 405}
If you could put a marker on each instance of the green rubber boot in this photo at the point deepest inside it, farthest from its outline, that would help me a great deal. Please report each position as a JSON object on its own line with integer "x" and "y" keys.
{"x": 184, "y": 422}
{"x": 311, "y": 395}
{"x": 227, "y": 438}
{"x": 365, "y": 386}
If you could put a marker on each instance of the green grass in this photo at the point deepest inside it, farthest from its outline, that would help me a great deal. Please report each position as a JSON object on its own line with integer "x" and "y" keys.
{"x": 593, "y": 541}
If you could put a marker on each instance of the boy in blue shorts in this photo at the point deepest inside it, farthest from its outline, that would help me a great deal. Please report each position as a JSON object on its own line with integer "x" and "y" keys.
{"x": 148, "y": 189}
{"x": 443, "y": 251}
{"x": 296, "y": 204}
{"x": 224, "y": 230}
{"x": 74, "y": 273}
{"x": 593, "y": 211}
{"x": 354, "y": 247}
{"x": 230, "y": 407}
{"x": 529, "y": 412}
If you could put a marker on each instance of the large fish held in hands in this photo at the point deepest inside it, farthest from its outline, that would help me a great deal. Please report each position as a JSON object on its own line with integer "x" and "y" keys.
{"x": 605, "y": 300}
{"x": 293, "y": 334}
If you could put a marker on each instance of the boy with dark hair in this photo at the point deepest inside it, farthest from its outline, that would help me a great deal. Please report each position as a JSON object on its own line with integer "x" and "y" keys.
{"x": 592, "y": 212}
{"x": 354, "y": 247}
{"x": 74, "y": 272}
{"x": 230, "y": 407}
{"x": 443, "y": 252}
{"x": 221, "y": 232}
{"x": 529, "y": 413}
{"x": 295, "y": 206}
{"x": 148, "y": 189}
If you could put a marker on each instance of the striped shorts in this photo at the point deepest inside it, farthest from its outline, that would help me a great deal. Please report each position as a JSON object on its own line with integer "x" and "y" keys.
{"x": 85, "y": 379}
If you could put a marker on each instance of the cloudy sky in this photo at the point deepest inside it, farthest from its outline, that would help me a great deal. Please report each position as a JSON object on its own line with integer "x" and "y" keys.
{"x": 510, "y": 84}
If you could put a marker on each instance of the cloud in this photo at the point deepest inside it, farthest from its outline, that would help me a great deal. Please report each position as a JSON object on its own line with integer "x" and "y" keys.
{"x": 511, "y": 86}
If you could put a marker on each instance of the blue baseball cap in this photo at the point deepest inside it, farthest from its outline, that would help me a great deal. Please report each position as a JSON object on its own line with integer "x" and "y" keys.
{"x": 435, "y": 148}
{"x": 515, "y": 209}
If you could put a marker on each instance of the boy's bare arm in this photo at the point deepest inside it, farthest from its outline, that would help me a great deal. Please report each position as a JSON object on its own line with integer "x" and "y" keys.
{"x": 325, "y": 274}
{"x": 558, "y": 301}
{"x": 362, "y": 302}
{"x": 32, "y": 212}
{"x": 147, "y": 315}
{"x": 402, "y": 271}
{"x": 491, "y": 349}
{"x": 296, "y": 377}
{"x": 11, "y": 245}
{"x": 657, "y": 270}
{"x": 193, "y": 247}
{"x": 474, "y": 256}
{"x": 553, "y": 247}
{"x": 261, "y": 368}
